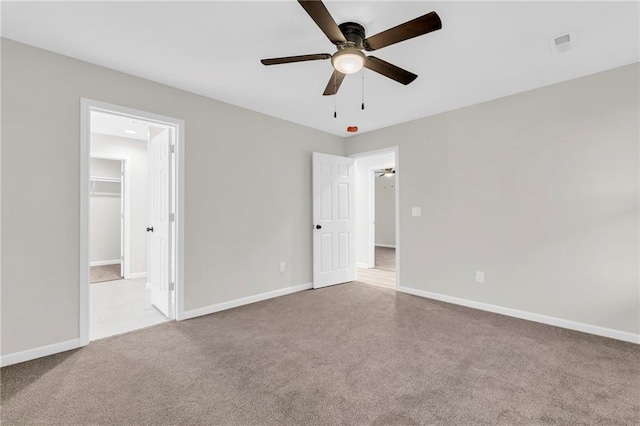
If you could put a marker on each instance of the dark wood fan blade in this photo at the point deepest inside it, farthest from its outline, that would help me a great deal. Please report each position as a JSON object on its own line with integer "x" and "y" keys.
{"x": 321, "y": 16}
{"x": 290, "y": 59}
{"x": 334, "y": 83}
{"x": 389, "y": 70}
{"x": 414, "y": 28}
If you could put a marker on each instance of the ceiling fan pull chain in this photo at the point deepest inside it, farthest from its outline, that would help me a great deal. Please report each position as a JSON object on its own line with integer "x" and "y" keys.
{"x": 335, "y": 97}
{"x": 363, "y": 90}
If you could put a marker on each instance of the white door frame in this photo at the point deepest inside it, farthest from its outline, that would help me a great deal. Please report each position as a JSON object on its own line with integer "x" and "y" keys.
{"x": 372, "y": 205}
{"x": 126, "y": 196}
{"x": 86, "y": 107}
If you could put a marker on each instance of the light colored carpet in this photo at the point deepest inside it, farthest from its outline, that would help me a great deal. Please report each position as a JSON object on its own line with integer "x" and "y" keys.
{"x": 349, "y": 354}
{"x": 104, "y": 273}
{"x": 385, "y": 258}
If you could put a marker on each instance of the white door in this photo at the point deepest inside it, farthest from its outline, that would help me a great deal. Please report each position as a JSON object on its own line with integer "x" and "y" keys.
{"x": 333, "y": 220}
{"x": 159, "y": 247}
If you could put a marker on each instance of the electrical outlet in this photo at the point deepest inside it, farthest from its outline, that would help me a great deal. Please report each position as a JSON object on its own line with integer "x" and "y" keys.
{"x": 283, "y": 266}
{"x": 479, "y": 276}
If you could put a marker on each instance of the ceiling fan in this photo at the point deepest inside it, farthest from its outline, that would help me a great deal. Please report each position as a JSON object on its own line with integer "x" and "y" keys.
{"x": 350, "y": 41}
{"x": 386, "y": 172}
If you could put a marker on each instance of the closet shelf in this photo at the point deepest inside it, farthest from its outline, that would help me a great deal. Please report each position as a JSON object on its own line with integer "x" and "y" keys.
{"x": 105, "y": 194}
{"x": 105, "y": 179}
{"x": 104, "y": 191}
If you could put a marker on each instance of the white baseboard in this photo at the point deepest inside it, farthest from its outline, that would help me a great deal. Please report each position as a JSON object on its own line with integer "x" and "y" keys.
{"x": 30, "y": 354}
{"x": 105, "y": 262}
{"x": 363, "y": 265}
{"x": 544, "y": 319}
{"x": 244, "y": 301}
{"x": 135, "y": 275}
{"x": 34, "y": 353}
{"x": 385, "y": 245}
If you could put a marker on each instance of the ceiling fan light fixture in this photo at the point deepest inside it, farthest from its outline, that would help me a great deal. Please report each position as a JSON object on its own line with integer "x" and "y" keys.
{"x": 348, "y": 60}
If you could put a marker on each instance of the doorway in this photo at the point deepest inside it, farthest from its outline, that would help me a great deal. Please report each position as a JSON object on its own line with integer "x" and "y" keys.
{"x": 131, "y": 219}
{"x": 377, "y": 224}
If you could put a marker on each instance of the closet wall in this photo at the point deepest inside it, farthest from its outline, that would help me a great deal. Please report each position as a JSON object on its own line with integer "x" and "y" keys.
{"x": 104, "y": 212}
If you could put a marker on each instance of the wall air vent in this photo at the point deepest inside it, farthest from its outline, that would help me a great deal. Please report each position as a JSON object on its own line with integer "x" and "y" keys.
{"x": 563, "y": 43}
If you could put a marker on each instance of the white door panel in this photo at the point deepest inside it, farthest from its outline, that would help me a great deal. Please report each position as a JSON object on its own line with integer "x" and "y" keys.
{"x": 159, "y": 262}
{"x": 333, "y": 202}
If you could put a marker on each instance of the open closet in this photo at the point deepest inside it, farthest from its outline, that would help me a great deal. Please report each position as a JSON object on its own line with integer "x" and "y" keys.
{"x": 106, "y": 219}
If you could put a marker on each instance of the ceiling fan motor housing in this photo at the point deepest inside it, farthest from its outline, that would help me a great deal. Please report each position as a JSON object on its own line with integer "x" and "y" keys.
{"x": 354, "y": 33}
{"x": 349, "y": 57}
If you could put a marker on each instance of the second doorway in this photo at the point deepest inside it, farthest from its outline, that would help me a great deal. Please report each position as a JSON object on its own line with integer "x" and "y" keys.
{"x": 376, "y": 224}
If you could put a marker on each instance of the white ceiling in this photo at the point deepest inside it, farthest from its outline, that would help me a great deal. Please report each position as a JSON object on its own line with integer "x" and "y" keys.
{"x": 485, "y": 50}
{"x": 116, "y": 125}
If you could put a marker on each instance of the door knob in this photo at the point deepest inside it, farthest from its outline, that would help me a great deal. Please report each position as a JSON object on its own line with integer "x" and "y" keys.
{"x": 318, "y": 226}
{"x": 150, "y": 229}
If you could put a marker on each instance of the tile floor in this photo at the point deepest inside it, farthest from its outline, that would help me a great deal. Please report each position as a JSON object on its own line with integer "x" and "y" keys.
{"x": 121, "y": 306}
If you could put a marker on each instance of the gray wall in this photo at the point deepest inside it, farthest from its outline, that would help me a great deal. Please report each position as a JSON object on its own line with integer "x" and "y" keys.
{"x": 105, "y": 233}
{"x": 135, "y": 151}
{"x": 385, "y": 210}
{"x": 539, "y": 190}
{"x": 238, "y": 228}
